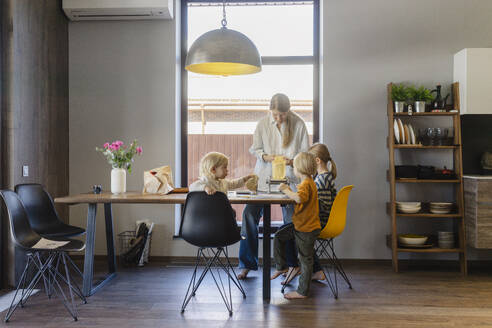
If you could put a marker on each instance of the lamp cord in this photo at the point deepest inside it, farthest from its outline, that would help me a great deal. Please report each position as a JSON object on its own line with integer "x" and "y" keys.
{"x": 224, "y": 20}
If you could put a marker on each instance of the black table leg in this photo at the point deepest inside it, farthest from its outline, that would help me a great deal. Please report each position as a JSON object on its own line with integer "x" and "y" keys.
{"x": 266, "y": 252}
{"x": 87, "y": 288}
{"x": 90, "y": 241}
{"x": 108, "y": 215}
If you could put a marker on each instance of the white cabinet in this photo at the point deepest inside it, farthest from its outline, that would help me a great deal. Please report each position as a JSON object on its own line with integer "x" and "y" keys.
{"x": 473, "y": 70}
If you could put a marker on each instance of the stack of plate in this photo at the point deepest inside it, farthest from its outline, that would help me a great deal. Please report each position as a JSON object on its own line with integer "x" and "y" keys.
{"x": 445, "y": 239}
{"x": 404, "y": 133}
{"x": 408, "y": 207}
{"x": 441, "y": 208}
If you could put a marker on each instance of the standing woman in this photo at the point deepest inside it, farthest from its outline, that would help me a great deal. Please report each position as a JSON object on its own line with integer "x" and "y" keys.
{"x": 280, "y": 133}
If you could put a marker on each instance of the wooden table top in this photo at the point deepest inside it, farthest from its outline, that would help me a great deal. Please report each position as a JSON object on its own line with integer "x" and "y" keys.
{"x": 133, "y": 197}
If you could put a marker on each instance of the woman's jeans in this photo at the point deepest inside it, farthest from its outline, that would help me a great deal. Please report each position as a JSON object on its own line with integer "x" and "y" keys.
{"x": 248, "y": 248}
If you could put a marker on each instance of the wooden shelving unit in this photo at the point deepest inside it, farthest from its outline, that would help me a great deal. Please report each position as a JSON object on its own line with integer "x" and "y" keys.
{"x": 457, "y": 183}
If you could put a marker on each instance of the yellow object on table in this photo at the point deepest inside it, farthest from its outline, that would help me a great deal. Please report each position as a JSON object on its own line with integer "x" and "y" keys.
{"x": 278, "y": 168}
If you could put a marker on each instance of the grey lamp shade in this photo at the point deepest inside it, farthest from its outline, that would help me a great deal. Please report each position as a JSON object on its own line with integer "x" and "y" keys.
{"x": 223, "y": 52}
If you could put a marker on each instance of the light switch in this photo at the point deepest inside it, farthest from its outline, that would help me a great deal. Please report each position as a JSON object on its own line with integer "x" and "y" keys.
{"x": 25, "y": 171}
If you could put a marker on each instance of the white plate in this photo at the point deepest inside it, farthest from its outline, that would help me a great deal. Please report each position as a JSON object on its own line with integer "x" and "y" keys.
{"x": 434, "y": 211}
{"x": 402, "y": 132}
{"x": 396, "y": 131}
{"x": 413, "y": 141}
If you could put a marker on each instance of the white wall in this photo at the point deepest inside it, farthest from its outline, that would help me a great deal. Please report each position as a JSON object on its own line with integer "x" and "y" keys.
{"x": 366, "y": 45}
{"x": 122, "y": 86}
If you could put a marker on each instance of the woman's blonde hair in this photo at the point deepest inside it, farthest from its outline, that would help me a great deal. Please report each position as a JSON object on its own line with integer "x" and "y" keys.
{"x": 281, "y": 103}
{"x": 305, "y": 163}
{"x": 320, "y": 151}
{"x": 210, "y": 161}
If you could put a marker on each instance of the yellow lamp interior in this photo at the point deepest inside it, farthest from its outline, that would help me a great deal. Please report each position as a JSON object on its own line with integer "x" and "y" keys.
{"x": 225, "y": 69}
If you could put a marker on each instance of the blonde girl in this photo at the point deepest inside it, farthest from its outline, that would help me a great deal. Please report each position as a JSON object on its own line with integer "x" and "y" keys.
{"x": 325, "y": 180}
{"x": 213, "y": 172}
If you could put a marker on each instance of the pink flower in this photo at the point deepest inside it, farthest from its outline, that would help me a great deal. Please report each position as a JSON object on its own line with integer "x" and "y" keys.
{"x": 139, "y": 150}
{"x": 119, "y": 142}
{"x": 106, "y": 145}
{"x": 115, "y": 146}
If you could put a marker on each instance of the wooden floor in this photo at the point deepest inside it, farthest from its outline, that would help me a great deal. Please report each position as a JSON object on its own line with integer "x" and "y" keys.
{"x": 152, "y": 296}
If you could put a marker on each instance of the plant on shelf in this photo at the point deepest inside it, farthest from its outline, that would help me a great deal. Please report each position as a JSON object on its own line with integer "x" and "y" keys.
{"x": 399, "y": 94}
{"x": 420, "y": 96}
{"x": 120, "y": 157}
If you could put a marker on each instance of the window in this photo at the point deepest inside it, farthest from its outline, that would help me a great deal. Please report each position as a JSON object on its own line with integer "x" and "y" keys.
{"x": 221, "y": 113}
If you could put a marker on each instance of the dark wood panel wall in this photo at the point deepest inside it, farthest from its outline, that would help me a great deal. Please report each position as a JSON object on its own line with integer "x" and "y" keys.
{"x": 35, "y": 101}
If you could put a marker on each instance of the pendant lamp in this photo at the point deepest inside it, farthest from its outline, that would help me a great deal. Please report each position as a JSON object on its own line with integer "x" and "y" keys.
{"x": 223, "y": 52}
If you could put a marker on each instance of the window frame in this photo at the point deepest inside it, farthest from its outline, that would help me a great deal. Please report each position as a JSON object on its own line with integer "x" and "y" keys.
{"x": 314, "y": 60}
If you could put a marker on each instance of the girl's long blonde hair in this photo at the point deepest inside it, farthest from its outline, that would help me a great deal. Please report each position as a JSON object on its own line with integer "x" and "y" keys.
{"x": 281, "y": 103}
{"x": 320, "y": 151}
{"x": 305, "y": 163}
{"x": 210, "y": 161}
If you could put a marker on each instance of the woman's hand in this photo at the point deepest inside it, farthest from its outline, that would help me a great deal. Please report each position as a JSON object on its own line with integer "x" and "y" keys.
{"x": 283, "y": 187}
{"x": 268, "y": 158}
{"x": 289, "y": 162}
{"x": 210, "y": 190}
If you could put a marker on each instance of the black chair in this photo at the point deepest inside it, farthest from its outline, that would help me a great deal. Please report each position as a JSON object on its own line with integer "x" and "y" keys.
{"x": 208, "y": 222}
{"x": 40, "y": 259}
{"x": 42, "y": 214}
{"x": 44, "y": 219}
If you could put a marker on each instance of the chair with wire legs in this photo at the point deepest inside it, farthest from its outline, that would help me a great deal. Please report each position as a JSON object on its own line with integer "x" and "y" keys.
{"x": 208, "y": 222}
{"x": 324, "y": 248}
{"x": 44, "y": 219}
{"x": 324, "y": 245}
{"x": 42, "y": 255}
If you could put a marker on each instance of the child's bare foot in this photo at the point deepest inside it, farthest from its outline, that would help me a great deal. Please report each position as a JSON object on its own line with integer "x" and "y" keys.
{"x": 277, "y": 273}
{"x": 294, "y": 295}
{"x": 291, "y": 274}
{"x": 320, "y": 275}
{"x": 243, "y": 274}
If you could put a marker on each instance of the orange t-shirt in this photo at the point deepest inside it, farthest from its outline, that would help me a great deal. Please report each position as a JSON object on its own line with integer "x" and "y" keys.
{"x": 306, "y": 213}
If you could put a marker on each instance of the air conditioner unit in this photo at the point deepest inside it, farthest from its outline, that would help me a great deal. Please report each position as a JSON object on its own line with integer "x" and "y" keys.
{"x": 118, "y": 9}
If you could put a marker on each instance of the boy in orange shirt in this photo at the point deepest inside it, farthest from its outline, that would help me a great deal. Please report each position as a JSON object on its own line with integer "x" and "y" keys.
{"x": 306, "y": 225}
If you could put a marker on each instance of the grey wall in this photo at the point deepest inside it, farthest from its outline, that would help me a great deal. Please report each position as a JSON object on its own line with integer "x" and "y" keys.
{"x": 122, "y": 86}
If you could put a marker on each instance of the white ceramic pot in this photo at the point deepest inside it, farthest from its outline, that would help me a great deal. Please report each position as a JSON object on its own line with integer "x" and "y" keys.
{"x": 118, "y": 181}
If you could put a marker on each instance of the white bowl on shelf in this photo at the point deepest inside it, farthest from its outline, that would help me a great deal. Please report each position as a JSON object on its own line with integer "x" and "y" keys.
{"x": 410, "y": 239}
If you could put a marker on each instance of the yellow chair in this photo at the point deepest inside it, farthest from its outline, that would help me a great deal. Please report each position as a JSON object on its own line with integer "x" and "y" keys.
{"x": 324, "y": 245}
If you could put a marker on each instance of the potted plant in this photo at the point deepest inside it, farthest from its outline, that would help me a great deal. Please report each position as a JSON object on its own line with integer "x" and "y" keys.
{"x": 399, "y": 94}
{"x": 120, "y": 157}
{"x": 420, "y": 96}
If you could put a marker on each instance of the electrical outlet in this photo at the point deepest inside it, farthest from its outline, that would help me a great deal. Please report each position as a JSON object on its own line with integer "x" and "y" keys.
{"x": 25, "y": 171}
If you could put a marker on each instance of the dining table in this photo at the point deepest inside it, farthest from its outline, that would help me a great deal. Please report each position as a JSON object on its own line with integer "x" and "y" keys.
{"x": 108, "y": 199}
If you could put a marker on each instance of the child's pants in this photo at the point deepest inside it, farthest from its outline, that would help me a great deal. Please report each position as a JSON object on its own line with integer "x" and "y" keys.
{"x": 305, "y": 244}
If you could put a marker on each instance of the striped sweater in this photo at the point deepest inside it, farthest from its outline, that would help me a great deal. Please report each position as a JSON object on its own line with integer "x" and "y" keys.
{"x": 326, "y": 195}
